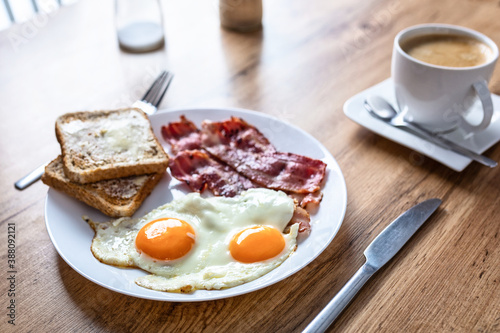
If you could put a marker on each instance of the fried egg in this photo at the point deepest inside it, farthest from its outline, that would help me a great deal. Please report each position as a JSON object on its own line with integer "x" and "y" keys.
{"x": 201, "y": 243}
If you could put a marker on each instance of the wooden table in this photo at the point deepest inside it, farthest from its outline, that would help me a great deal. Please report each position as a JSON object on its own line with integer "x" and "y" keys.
{"x": 309, "y": 59}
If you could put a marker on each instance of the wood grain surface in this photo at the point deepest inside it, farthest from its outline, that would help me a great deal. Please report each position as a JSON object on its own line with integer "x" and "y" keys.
{"x": 308, "y": 60}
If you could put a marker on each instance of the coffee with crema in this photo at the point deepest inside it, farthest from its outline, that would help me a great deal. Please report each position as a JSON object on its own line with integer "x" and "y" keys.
{"x": 448, "y": 50}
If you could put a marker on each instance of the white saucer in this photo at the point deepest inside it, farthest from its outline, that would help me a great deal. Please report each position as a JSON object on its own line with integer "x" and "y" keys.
{"x": 479, "y": 142}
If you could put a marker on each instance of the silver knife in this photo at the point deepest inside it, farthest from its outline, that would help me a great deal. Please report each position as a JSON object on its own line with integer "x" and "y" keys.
{"x": 377, "y": 254}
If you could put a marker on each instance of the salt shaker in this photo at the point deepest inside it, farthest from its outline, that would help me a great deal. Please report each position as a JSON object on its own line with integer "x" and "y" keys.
{"x": 139, "y": 25}
{"x": 241, "y": 15}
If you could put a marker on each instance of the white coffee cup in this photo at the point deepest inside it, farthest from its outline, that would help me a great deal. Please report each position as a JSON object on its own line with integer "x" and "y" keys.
{"x": 441, "y": 98}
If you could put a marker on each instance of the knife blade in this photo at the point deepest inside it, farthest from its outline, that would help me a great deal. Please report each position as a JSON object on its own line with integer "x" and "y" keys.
{"x": 382, "y": 249}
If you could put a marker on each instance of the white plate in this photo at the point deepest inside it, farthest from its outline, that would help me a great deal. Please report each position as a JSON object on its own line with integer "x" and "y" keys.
{"x": 478, "y": 142}
{"x": 72, "y": 237}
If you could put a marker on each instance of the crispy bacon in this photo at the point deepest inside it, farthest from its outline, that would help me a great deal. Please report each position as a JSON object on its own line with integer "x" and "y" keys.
{"x": 245, "y": 149}
{"x": 236, "y": 134}
{"x": 198, "y": 170}
{"x": 304, "y": 199}
{"x": 300, "y": 216}
{"x": 182, "y": 135}
{"x": 195, "y": 166}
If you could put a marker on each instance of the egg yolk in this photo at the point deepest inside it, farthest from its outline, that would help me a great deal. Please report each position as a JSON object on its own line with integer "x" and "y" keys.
{"x": 256, "y": 244}
{"x": 165, "y": 239}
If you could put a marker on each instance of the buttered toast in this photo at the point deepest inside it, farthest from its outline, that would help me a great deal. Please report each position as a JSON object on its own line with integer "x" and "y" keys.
{"x": 114, "y": 197}
{"x": 112, "y": 144}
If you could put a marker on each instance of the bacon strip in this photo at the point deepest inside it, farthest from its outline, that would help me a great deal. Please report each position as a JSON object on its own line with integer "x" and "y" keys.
{"x": 195, "y": 166}
{"x": 182, "y": 135}
{"x": 198, "y": 170}
{"x": 308, "y": 198}
{"x": 236, "y": 134}
{"x": 246, "y": 150}
{"x": 302, "y": 217}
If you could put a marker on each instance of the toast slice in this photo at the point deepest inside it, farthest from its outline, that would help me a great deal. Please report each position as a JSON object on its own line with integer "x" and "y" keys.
{"x": 114, "y": 197}
{"x": 111, "y": 144}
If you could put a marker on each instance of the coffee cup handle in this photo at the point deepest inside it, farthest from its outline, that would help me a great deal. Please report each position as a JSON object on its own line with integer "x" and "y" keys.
{"x": 482, "y": 91}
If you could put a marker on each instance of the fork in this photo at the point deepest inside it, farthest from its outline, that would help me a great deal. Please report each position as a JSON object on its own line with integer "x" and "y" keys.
{"x": 148, "y": 103}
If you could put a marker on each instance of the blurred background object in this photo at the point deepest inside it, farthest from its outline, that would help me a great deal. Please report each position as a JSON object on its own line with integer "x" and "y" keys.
{"x": 139, "y": 25}
{"x": 18, "y": 11}
{"x": 241, "y": 15}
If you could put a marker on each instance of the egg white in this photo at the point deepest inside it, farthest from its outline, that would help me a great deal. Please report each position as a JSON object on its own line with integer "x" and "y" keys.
{"x": 208, "y": 265}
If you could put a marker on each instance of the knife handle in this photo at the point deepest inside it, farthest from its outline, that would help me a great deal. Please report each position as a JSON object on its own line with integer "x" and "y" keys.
{"x": 326, "y": 317}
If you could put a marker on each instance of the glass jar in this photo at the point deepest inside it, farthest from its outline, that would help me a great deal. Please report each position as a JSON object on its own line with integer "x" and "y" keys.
{"x": 139, "y": 25}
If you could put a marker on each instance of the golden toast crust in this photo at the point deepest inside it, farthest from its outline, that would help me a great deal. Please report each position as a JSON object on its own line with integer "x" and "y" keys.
{"x": 115, "y": 197}
{"x": 110, "y": 144}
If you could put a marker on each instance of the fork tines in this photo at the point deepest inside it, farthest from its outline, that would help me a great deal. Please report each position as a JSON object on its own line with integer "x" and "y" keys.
{"x": 155, "y": 94}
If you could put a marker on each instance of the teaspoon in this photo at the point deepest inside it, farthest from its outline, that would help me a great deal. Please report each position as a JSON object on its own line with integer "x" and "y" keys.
{"x": 383, "y": 110}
